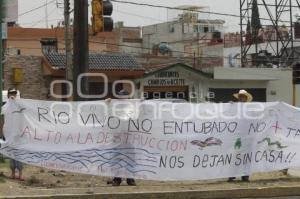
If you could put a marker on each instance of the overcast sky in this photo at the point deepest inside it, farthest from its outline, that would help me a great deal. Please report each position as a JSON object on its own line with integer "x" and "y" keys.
{"x": 132, "y": 15}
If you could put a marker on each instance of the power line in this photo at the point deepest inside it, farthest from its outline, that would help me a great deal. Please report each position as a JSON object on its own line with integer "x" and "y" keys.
{"x": 61, "y": 19}
{"x": 172, "y": 8}
{"x": 184, "y": 9}
{"x": 192, "y": 57}
{"x": 50, "y": 13}
{"x": 144, "y": 17}
{"x": 34, "y": 9}
{"x": 182, "y": 52}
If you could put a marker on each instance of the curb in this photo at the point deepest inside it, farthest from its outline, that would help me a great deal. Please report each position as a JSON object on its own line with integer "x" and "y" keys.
{"x": 208, "y": 194}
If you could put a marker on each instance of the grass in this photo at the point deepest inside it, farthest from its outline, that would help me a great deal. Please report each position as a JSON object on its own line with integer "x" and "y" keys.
{"x": 2, "y": 179}
{"x": 4, "y": 164}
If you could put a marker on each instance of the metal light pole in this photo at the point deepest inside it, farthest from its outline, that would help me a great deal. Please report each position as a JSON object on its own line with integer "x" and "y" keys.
{"x": 1, "y": 52}
{"x": 68, "y": 47}
{"x": 80, "y": 46}
{"x": 68, "y": 41}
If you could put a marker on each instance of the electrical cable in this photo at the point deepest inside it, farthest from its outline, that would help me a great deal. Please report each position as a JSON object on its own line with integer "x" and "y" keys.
{"x": 140, "y": 47}
{"x": 34, "y": 9}
{"x": 140, "y": 16}
{"x": 49, "y": 14}
{"x": 183, "y": 9}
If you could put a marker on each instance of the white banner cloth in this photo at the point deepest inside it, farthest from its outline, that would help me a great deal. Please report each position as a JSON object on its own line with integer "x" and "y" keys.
{"x": 153, "y": 140}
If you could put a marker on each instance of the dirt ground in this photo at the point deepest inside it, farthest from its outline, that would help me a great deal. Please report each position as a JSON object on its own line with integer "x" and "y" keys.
{"x": 43, "y": 181}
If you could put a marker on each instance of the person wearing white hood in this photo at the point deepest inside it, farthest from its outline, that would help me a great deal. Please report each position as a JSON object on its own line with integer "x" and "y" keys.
{"x": 14, "y": 164}
{"x": 242, "y": 96}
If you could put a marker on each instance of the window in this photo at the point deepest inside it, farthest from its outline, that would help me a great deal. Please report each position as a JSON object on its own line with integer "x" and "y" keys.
{"x": 195, "y": 28}
{"x": 206, "y": 29}
{"x": 171, "y": 28}
{"x": 49, "y": 45}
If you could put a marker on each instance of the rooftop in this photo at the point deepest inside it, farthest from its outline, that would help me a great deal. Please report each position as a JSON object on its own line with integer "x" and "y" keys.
{"x": 99, "y": 61}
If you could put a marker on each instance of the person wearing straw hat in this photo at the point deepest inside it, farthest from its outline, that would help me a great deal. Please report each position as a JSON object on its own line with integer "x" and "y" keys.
{"x": 242, "y": 96}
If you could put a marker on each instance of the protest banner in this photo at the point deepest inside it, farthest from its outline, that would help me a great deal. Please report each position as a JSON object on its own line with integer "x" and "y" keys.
{"x": 153, "y": 140}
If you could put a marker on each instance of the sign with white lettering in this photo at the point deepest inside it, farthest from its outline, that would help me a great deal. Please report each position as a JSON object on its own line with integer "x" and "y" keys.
{"x": 153, "y": 140}
{"x": 166, "y": 78}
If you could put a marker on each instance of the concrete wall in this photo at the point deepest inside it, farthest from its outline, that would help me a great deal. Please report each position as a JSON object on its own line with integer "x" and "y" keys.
{"x": 278, "y": 83}
{"x": 178, "y": 35}
{"x": 297, "y": 95}
{"x": 192, "y": 80}
{"x": 155, "y": 34}
{"x": 132, "y": 48}
{"x": 236, "y": 51}
{"x": 28, "y": 39}
{"x": 34, "y": 85}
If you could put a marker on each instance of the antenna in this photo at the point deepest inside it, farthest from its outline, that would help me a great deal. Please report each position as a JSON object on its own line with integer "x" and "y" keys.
{"x": 46, "y": 13}
{"x": 275, "y": 35}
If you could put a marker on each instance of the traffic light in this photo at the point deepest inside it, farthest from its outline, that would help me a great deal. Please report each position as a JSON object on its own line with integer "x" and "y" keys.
{"x": 101, "y": 12}
{"x": 296, "y": 73}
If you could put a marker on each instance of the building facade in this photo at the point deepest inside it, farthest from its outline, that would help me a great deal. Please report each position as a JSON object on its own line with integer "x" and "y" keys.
{"x": 181, "y": 81}
{"x": 27, "y": 41}
{"x": 200, "y": 40}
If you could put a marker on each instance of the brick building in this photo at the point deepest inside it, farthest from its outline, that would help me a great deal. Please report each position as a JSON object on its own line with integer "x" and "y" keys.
{"x": 38, "y": 72}
{"x": 37, "y": 54}
{"x": 27, "y": 41}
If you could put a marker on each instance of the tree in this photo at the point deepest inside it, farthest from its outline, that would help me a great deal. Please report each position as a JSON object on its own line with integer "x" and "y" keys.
{"x": 255, "y": 21}
{"x": 248, "y": 33}
{"x": 2, "y": 10}
{"x": 248, "y": 30}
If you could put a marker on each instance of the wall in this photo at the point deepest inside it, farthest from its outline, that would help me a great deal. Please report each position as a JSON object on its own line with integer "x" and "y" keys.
{"x": 278, "y": 83}
{"x": 28, "y": 39}
{"x": 297, "y": 95}
{"x": 34, "y": 85}
{"x": 191, "y": 79}
{"x": 155, "y": 34}
{"x": 183, "y": 42}
{"x": 209, "y": 56}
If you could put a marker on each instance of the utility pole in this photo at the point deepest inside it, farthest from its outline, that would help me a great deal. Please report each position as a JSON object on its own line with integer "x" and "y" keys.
{"x": 80, "y": 46}
{"x": 68, "y": 44}
{"x": 1, "y": 53}
{"x": 46, "y": 13}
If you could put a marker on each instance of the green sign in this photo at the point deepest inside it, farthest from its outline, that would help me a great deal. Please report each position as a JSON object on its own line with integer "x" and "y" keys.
{"x": 4, "y": 30}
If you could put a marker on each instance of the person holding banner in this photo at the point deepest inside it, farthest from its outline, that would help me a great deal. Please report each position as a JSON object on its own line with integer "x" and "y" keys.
{"x": 14, "y": 164}
{"x": 242, "y": 96}
{"x": 117, "y": 180}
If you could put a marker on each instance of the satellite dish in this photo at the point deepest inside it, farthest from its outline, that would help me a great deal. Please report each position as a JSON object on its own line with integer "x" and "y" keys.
{"x": 164, "y": 48}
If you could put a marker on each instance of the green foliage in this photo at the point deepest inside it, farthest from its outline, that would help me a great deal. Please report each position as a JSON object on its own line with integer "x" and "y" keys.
{"x": 248, "y": 27}
{"x": 2, "y": 179}
{"x": 4, "y": 164}
{"x": 255, "y": 19}
{"x": 2, "y": 14}
{"x": 33, "y": 180}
